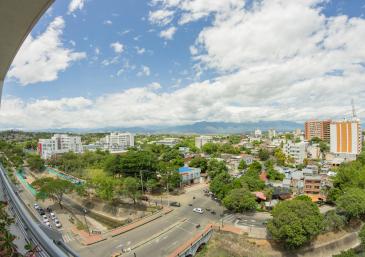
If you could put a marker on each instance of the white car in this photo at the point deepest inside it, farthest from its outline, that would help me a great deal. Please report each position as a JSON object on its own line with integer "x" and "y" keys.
{"x": 36, "y": 206}
{"x": 53, "y": 216}
{"x": 58, "y": 223}
{"x": 48, "y": 224}
{"x": 198, "y": 210}
{"x": 45, "y": 220}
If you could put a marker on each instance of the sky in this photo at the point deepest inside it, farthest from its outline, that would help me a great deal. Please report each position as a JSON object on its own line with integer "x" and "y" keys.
{"x": 113, "y": 63}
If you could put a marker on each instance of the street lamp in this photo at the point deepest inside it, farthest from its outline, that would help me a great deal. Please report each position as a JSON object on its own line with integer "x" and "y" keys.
{"x": 85, "y": 211}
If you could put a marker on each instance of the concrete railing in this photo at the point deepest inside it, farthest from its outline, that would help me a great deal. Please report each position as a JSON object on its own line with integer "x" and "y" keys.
{"x": 32, "y": 230}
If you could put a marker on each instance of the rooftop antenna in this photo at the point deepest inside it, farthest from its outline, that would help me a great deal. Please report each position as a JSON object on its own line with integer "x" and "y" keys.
{"x": 353, "y": 109}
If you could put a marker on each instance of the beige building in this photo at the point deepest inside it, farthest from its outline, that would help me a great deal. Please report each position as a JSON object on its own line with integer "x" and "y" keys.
{"x": 346, "y": 137}
{"x": 317, "y": 128}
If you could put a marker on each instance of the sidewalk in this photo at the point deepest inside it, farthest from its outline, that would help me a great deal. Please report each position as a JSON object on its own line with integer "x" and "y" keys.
{"x": 86, "y": 238}
{"x": 145, "y": 220}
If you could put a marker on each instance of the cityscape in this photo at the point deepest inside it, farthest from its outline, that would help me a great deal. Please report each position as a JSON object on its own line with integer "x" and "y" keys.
{"x": 181, "y": 128}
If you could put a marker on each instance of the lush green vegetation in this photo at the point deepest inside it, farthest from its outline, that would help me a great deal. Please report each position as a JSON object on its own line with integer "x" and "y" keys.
{"x": 295, "y": 222}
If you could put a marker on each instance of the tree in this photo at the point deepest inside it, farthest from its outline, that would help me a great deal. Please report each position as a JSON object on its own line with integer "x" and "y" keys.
{"x": 280, "y": 157}
{"x": 273, "y": 174}
{"x": 352, "y": 202}
{"x": 264, "y": 154}
{"x": 210, "y": 148}
{"x": 199, "y": 162}
{"x": 221, "y": 185}
{"x": 242, "y": 165}
{"x": 303, "y": 198}
{"x": 253, "y": 182}
{"x": 131, "y": 188}
{"x": 333, "y": 221}
{"x": 7, "y": 245}
{"x": 348, "y": 253}
{"x": 240, "y": 200}
{"x": 113, "y": 165}
{"x": 151, "y": 185}
{"x": 53, "y": 188}
{"x": 169, "y": 176}
{"x": 323, "y": 147}
{"x": 35, "y": 162}
{"x": 295, "y": 222}
{"x": 216, "y": 167}
{"x": 105, "y": 187}
{"x": 332, "y": 194}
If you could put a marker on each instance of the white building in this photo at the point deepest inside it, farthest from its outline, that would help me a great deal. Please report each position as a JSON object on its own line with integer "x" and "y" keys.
{"x": 202, "y": 140}
{"x": 296, "y": 150}
{"x": 117, "y": 142}
{"x": 258, "y": 133}
{"x": 46, "y": 148}
{"x": 171, "y": 142}
{"x": 272, "y": 133}
{"x": 59, "y": 143}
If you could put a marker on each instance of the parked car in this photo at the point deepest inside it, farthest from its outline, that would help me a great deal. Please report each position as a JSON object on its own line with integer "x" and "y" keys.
{"x": 48, "y": 224}
{"x": 45, "y": 219}
{"x": 213, "y": 212}
{"x": 41, "y": 212}
{"x": 176, "y": 204}
{"x": 57, "y": 223}
{"x": 198, "y": 210}
{"x": 49, "y": 209}
{"x": 36, "y": 206}
{"x": 52, "y": 215}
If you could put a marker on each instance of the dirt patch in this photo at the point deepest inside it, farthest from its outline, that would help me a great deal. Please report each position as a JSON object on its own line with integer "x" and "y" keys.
{"x": 225, "y": 244}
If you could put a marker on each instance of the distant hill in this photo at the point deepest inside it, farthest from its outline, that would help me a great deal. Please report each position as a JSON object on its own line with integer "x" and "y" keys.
{"x": 203, "y": 127}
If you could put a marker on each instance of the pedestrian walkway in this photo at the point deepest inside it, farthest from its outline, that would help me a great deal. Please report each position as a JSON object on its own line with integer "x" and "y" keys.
{"x": 229, "y": 218}
{"x": 68, "y": 237}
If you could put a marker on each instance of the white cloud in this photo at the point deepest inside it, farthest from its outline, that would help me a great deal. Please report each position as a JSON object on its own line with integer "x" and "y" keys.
{"x": 117, "y": 47}
{"x": 161, "y": 17}
{"x": 145, "y": 71}
{"x": 140, "y": 50}
{"x": 168, "y": 34}
{"x": 41, "y": 59}
{"x": 279, "y": 60}
{"x": 97, "y": 50}
{"x": 107, "y": 22}
{"x": 75, "y": 4}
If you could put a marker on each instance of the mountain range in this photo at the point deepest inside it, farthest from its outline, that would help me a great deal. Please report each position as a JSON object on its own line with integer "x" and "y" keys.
{"x": 203, "y": 127}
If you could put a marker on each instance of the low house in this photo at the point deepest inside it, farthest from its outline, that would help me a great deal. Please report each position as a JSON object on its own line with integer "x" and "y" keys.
{"x": 190, "y": 175}
{"x": 312, "y": 185}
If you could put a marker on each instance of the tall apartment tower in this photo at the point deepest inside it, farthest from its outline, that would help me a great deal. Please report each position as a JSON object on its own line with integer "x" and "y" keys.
{"x": 317, "y": 128}
{"x": 346, "y": 137}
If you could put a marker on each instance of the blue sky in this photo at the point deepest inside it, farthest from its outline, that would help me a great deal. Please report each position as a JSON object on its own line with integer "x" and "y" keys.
{"x": 92, "y": 63}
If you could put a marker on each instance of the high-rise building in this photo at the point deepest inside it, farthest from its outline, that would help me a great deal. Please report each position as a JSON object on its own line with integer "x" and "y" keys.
{"x": 272, "y": 133}
{"x": 317, "y": 128}
{"x": 296, "y": 150}
{"x": 202, "y": 140}
{"x": 116, "y": 141}
{"x": 258, "y": 133}
{"x": 59, "y": 143}
{"x": 346, "y": 137}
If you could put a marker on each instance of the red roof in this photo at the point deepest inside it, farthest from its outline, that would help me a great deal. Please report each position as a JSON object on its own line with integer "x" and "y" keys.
{"x": 260, "y": 195}
{"x": 263, "y": 176}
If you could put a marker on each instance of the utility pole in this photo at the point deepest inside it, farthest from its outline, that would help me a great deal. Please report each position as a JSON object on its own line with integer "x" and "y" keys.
{"x": 140, "y": 174}
{"x": 87, "y": 225}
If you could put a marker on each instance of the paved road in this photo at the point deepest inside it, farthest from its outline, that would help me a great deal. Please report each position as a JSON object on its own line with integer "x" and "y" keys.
{"x": 162, "y": 245}
{"x": 167, "y": 242}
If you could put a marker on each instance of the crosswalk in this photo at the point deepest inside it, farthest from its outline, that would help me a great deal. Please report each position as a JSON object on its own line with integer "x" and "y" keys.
{"x": 68, "y": 237}
{"x": 230, "y": 218}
